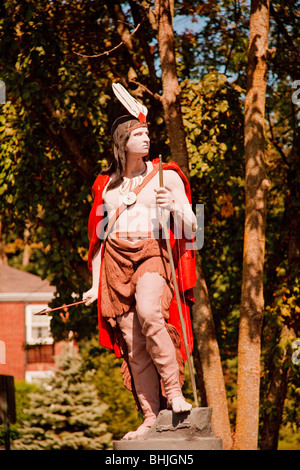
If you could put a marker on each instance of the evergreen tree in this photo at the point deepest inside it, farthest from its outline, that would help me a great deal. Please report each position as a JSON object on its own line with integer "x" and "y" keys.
{"x": 66, "y": 413}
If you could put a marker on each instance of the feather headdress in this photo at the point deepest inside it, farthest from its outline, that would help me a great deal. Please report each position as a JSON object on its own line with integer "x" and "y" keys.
{"x": 136, "y": 109}
{"x": 121, "y": 129}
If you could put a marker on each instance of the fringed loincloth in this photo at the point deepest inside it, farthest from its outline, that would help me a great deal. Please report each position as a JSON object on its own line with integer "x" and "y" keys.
{"x": 123, "y": 264}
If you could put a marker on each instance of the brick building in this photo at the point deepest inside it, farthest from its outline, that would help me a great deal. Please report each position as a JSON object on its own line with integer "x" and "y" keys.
{"x": 27, "y": 349}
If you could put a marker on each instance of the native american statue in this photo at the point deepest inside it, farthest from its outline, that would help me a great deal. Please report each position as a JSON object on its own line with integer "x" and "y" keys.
{"x": 131, "y": 269}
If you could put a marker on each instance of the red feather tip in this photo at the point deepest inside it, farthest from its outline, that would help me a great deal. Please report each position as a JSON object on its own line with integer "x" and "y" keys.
{"x": 142, "y": 117}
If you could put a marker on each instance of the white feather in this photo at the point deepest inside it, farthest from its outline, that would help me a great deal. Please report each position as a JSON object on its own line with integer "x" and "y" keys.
{"x": 131, "y": 104}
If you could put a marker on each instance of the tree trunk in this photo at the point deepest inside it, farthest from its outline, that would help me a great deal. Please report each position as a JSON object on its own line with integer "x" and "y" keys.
{"x": 256, "y": 188}
{"x": 289, "y": 248}
{"x": 279, "y": 376}
{"x": 3, "y": 257}
{"x": 171, "y": 91}
{"x": 209, "y": 354}
{"x": 27, "y": 249}
{"x": 203, "y": 323}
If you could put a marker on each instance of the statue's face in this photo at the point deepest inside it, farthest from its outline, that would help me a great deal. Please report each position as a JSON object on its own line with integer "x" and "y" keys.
{"x": 138, "y": 143}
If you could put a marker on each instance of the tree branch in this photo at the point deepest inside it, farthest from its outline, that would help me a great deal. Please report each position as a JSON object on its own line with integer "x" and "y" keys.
{"x": 114, "y": 48}
{"x": 278, "y": 148}
{"x": 139, "y": 12}
{"x": 65, "y": 138}
{"x": 285, "y": 33}
{"x": 155, "y": 95}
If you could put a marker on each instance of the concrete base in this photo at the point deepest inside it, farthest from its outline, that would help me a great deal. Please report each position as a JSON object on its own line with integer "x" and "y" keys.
{"x": 176, "y": 431}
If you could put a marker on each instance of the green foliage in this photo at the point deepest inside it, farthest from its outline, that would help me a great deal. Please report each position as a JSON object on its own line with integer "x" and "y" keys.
{"x": 213, "y": 121}
{"x": 220, "y": 43}
{"x": 65, "y": 413}
{"x": 22, "y": 396}
{"x": 55, "y": 138}
{"x": 22, "y": 399}
{"x": 289, "y": 438}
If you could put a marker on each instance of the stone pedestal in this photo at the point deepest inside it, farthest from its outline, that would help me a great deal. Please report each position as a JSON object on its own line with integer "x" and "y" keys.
{"x": 176, "y": 431}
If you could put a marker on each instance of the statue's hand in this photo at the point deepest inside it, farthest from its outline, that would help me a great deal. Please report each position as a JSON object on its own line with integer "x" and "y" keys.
{"x": 165, "y": 199}
{"x": 90, "y": 296}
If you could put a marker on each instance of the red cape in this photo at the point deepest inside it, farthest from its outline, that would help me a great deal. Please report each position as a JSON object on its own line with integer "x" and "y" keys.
{"x": 184, "y": 260}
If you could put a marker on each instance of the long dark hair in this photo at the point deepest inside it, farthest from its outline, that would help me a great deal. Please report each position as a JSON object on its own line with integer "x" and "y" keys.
{"x": 120, "y": 132}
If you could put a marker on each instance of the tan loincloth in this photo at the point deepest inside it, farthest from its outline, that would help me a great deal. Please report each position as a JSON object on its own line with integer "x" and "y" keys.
{"x": 123, "y": 264}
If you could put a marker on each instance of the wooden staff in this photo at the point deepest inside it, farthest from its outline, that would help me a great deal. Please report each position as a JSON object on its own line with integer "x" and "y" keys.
{"x": 177, "y": 295}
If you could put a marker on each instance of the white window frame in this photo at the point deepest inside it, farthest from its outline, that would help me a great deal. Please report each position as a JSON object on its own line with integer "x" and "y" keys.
{"x": 32, "y": 321}
{"x": 34, "y": 376}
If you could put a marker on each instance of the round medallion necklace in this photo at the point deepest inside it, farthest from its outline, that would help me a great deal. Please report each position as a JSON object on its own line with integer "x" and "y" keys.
{"x": 128, "y": 185}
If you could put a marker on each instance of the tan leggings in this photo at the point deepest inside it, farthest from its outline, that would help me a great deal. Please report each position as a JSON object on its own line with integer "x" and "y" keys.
{"x": 150, "y": 348}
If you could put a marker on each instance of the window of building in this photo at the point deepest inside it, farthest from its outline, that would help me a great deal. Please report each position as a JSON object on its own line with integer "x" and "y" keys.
{"x": 37, "y": 326}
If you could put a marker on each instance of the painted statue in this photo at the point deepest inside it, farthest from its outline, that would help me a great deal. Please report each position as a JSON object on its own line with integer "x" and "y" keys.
{"x": 130, "y": 265}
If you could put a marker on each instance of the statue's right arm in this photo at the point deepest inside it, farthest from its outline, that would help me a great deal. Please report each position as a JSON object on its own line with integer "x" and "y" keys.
{"x": 91, "y": 295}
